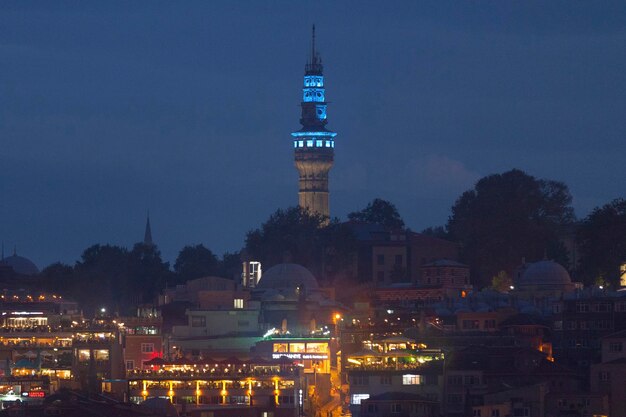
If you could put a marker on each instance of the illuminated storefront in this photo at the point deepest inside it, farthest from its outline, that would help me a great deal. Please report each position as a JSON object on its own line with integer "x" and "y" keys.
{"x": 312, "y": 354}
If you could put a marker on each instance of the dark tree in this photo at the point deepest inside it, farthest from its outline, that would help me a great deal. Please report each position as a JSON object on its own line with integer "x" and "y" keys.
{"x": 106, "y": 258}
{"x": 601, "y": 240}
{"x": 58, "y": 277}
{"x": 101, "y": 277}
{"x": 437, "y": 231}
{"x": 379, "y": 212}
{"x": 230, "y": 265}
{"x": 149, "y": 274}
{"x": 290, "y": 235}
{"x": 507, "y": 217}
{"x": 195, "y": 262}
{"x": 297, "y": 236}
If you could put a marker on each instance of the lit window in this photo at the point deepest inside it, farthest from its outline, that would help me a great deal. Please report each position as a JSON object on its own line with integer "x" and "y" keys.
{"x": 281, "y": 347}
{"x": 317, "y": 347}
{"x": 295, "y": 143}
{"x": 309, "y": 143}
{"x": 101, "y": 354}
{"x": 332, "y": 143}
{"x": 296, "y": 347}
{"x": 300, "y": 144}
{"x": 238, "y": 303}
{"x": 411, "y": 379}
{"x": 318, "y": 143}
{"x": 84, "y": 355}
{"x": 357, "y": 398}
{"x": 328, "y": 144}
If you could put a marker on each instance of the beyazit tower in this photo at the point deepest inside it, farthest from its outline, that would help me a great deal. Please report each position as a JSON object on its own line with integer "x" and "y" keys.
{"x": 314, "y": 144}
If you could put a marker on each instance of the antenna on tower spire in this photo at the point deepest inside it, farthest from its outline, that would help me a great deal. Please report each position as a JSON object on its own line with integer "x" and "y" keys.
{"x": 313, "y": 59}
{"x": 314, "y": 66}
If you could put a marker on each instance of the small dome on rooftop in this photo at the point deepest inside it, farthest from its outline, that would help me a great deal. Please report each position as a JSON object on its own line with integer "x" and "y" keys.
{"x": 545, "y": 272}
{"x": 21, "y": 265}
{"x": 287, "y": 277}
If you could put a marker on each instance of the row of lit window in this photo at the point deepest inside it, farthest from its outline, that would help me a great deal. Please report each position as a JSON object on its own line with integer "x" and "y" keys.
{"x": 280, "y": 384}
{"x": 313, "y": 94}
{"x": 300, "y": 347}
{"x": 314, "y": 143}
{"x": 313, "y": 81}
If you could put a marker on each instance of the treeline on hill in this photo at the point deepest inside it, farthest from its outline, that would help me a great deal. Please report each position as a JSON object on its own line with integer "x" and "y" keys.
{"x": 505, "y": 218}
{"x": 120, "y": 279}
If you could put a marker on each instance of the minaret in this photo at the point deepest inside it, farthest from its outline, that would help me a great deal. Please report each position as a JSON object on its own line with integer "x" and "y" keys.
{"x": 147, "y": 236}
{"x": 314, "y": 144}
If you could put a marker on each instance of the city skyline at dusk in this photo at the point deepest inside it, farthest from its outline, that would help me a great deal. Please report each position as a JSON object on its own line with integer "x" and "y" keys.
{"x": 114, "y": 109}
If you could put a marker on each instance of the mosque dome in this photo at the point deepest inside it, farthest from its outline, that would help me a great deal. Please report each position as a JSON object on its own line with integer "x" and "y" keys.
{"x": 21, "y": 265}
{"x": 287, "y": 277}
{"x": 545, "y": 273}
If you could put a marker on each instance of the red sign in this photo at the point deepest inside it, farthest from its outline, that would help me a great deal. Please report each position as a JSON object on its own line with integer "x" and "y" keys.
{"x": 36, "y": 394}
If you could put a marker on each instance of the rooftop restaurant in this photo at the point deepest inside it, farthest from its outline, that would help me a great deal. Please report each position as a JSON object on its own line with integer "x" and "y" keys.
{"x": 392, "y": 353}
{"x": 231, "y": 381}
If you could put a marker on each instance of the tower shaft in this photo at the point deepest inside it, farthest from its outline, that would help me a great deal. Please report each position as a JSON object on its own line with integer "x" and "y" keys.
{"x": 313, "y": 168}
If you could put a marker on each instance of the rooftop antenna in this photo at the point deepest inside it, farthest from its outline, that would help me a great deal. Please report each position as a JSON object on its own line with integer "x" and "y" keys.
{"x": 313, "y": 60}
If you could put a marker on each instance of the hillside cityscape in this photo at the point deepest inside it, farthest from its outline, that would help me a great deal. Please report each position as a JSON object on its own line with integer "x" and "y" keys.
{"x": 514, "y": 307}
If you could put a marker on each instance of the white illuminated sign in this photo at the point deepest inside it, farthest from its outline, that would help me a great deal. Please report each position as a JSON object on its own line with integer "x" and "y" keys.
{"x": 26, "y": 313}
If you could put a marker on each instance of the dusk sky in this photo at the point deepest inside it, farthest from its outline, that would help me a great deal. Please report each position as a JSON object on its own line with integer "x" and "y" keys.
{"x": 109, "y": 109}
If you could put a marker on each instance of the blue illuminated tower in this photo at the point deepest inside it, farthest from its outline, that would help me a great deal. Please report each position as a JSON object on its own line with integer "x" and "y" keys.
{"x": 314, "y": 145}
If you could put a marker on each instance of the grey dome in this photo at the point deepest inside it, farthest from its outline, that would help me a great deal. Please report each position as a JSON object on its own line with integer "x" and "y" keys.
{"x": 21, "y": 265}
{"x": 545, "y": 273}
{"x": 287, "y": 277}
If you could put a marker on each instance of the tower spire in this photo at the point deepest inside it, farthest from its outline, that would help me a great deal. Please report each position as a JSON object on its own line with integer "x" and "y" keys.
{"x": 147, "y": 237}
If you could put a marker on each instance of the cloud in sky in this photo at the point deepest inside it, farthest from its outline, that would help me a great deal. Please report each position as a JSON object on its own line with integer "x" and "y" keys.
{"x": 440, "y": 172}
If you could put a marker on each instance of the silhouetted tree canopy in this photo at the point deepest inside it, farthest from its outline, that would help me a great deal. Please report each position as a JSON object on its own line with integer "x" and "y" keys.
{"x": 381, "y": 212}
{"x": 230, "y": 265}
{"x": 507, "y": 217}
{"x": 297, "y": 236}
{"x": 110, "y": 276}
{"x": 58, "y": 277}
{"x": 195, "y": 262}
{"x": 101, "y": 278}
{"x": 601, "y": 240}
{"x": 149, "y": 274}
{"x": 436, "y": 231}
